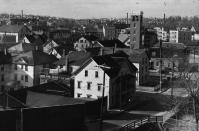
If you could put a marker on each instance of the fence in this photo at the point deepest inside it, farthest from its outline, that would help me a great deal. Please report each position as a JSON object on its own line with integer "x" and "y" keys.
{"x": 137, "y": 123}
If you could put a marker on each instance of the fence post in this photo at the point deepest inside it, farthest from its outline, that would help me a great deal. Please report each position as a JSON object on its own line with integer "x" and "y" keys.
{"x": 134, "y": 124}
{"x": 148, "y": 118}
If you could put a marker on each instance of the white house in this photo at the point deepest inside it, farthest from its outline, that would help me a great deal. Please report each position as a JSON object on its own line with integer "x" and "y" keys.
{"x": 117, "y": 74}
{"x": 173, "y": 36}
{"x": 84, "y": 42}
{"x": 161, "y": 33}
{"x": 28, "y": 66}
{"x": 50, "y": 48}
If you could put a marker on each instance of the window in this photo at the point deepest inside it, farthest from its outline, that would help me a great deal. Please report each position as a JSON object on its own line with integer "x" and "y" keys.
{"x": 21, "y": 66}
{"x": 89, "y": 96}
{"x": 2, "y": 88}
{"x": 134, "y": 39}
{"x": 15, "y": 77}
{"x": 26, "y": 78}
{"x": 15, "y": 66}
{"x": 81, "y": 41}
{"x": 79, "y": 84}
{"x": 153, "y": 53}
{"x": 86, "y": 73}
{"x": 2, "y": 77}
{"x": 134, "y": 25}
{"x": 96, "y": 74}
{"x": 2, "y": 68}
{"x": 133, "y": 18}
{"x": 79, "y": 95}
{"x": 157, "y": 63}
{"x": 99, "y": 87}
{"x": 22, "y": 77}
{"x": 88, "y": 85}
{"x": 134, "y": 32}
{"x": 26, "y": 68}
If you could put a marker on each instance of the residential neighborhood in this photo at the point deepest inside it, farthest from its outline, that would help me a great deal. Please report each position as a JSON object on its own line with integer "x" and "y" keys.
{"x": 135, "y": 72}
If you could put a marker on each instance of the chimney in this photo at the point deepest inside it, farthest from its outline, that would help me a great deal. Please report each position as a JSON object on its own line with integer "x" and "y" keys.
{"x": 22, "y": 14}
{"x": 114, "y": 49}
{"x": 5, "y": 51}
{"x": 66, "y": 63}
{"x": 127, "y": 18}
{"x": 164, "y": 20}
{"x": 63, "y": 53}
{"x": 101, "y": 51}
{"x": 36, "y": 48}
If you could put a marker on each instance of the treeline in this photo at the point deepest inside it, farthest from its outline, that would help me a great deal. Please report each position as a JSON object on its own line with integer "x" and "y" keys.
{"x": 172, "y": 22}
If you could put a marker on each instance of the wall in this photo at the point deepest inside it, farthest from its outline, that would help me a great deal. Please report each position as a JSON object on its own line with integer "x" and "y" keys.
{"x": 173, "y": 36}
{"x": 22, "y": 72}
{"x": 6, "y": 73}
{"x": 185, "y": 36}
{"x": 135, "y": 31}
{"x": 91, "y": 78}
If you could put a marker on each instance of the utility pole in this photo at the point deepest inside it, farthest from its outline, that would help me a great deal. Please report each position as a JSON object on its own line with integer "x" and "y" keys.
{"x": 172, "y": 77}
{"x": 103, "y": 90}
{"x": 21, "y": 121}
{"x": 161, "y": 55}
{"x": 120, "y": 92}
{"x": 102, "y": 104}
{"x": 160, "y": 65}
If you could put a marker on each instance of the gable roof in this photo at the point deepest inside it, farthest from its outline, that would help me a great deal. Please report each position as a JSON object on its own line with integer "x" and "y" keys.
{"x": 112, "y": 43}
{"x": 33, "y": 58}
{"x": 105, "y": 60}
{"x": 123, "y": 37}
{"x": 23, "y": 47}
{"x": 36, "y": 99}
{"x": 76, "y": 58}
{"x": 121, "y": 61}
{"x": 31, "y": 38}
{"x": 136, "y": 55}
{"x": 51, "y": 43}
{"x": 89, "y": 37}
{"x": 41, "y": 100}
{"x": 11, "y": 28}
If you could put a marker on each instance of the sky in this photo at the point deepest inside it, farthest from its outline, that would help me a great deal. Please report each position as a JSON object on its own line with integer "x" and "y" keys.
{"x": 101, "y": 8}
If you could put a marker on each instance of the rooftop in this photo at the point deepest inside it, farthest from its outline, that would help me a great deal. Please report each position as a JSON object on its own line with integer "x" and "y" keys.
{"x": 75, "y": 58}
{"x": 33, "y": 58}
{"x": 113, "y": 43}
{"x": 11, "y": 28}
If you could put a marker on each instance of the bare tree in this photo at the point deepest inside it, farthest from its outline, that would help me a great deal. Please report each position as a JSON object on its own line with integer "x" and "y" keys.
{"x": 189, "y": 80}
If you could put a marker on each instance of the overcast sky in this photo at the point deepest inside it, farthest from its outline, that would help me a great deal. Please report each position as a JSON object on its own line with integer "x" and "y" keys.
{"x": 100, "y": 8}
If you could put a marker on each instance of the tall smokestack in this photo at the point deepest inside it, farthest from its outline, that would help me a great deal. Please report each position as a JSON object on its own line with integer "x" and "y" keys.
{"x": 127, "y": 18}
{"x": 164, "y": 20}
{"x": 67, "y": 63}
{"x": 21, "y": 13}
